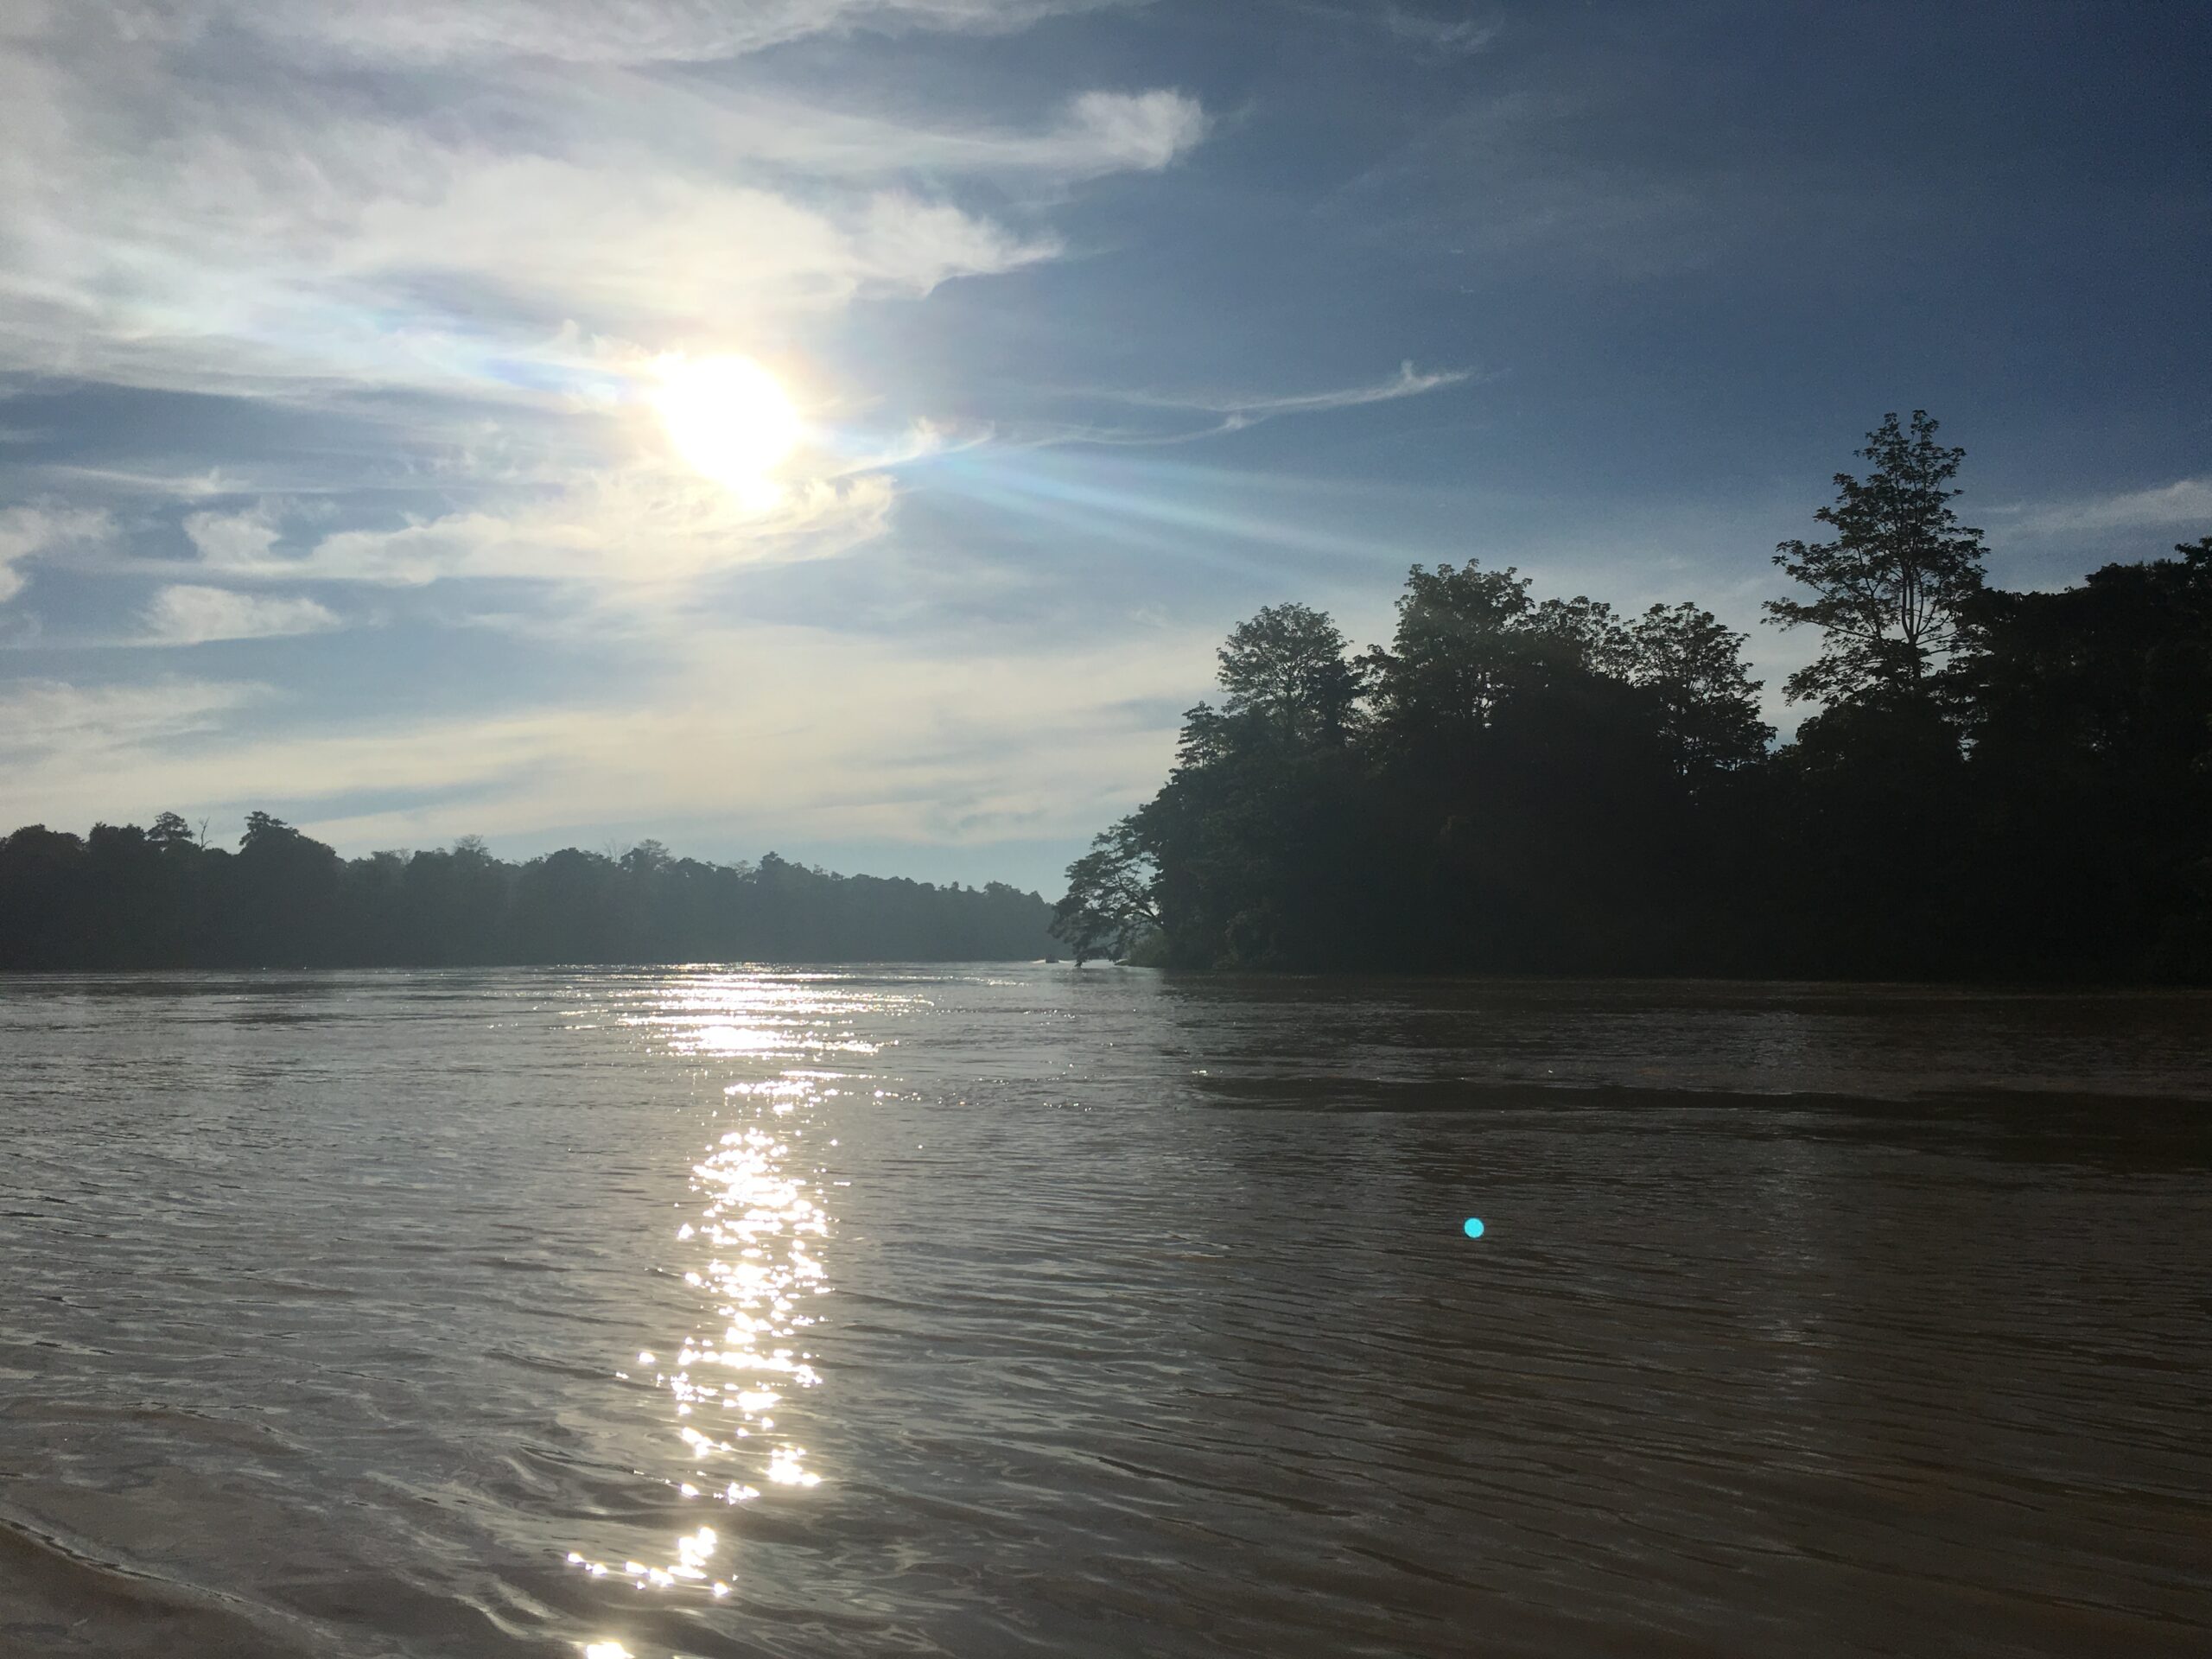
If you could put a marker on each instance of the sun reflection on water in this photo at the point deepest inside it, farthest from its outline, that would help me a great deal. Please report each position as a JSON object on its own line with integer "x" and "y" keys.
{"x": 753, "y": 1252}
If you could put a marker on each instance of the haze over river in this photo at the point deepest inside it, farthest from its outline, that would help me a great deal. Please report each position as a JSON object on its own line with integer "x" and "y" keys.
{"x": 1018, "y": 1310}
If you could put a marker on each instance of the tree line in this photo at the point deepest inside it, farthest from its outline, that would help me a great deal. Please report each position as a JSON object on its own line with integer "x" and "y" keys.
{"x": 129, "y": 897}
{"x": 1993, "y": 783}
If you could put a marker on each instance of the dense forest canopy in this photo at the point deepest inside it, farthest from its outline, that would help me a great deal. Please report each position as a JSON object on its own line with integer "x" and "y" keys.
{"x": 1994, "y": 784}
{"x": 128, "y": 896}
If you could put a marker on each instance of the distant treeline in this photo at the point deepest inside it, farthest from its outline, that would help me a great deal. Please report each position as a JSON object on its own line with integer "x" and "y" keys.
{"x": 1995, "y": 784}
{"x": 128, "y": 896}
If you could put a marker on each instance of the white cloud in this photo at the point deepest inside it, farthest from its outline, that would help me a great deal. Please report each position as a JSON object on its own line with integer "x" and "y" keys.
{"x": 667, "y": 253}
{"x": 309, "y": 229}
{"x": 1144, "y": 130}
{"x": 163, "y": 221}
{"x": 193, "y": 616}
{"x": 813, "y": 734}
{"x": 631, "y": 534}
{"x": 237, "y": 541}
{"x": 2186, "y": 501}
{"x": 82, "y": 731}
{"x": 220, "y": 264}
{"x": 28, "y": 532}
{"x": 1095, "y": 133}
{"x": 272, "y": 199}
{"x": 1239, "y": 411}
{"x": 594, "y": 31}
{"x": 1407, "y": 382}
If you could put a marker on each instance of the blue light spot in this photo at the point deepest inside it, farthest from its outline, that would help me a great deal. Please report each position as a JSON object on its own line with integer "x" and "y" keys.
{"x": 1474, "y": 1227}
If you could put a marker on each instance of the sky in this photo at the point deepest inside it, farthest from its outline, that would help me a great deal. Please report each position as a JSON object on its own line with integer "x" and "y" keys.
{"x": 338, "y": 476}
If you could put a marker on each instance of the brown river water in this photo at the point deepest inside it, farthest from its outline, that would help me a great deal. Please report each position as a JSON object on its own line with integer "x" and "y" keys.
{"x": 1026, "y": 1310}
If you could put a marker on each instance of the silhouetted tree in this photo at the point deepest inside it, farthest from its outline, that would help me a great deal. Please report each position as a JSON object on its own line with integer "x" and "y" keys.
{"x": 2090, "y": 714}
{"x": 280, "y": 894}
{"x": 1111, "y": 902}
{"x": 1891, "y": 590}
{"x": 128, "y": 898}
{"x": 1454, "y": 651}
{"x": 1709, "y": 703}
{"x": 2000, "y": 784}
{"x": 1286, "y": 668}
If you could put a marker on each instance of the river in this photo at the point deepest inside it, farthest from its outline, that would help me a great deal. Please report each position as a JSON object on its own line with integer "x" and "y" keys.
{"x": 1030, "y": 1310}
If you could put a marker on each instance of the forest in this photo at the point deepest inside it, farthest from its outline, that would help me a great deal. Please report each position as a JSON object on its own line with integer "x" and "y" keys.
{"x": 131, "y": 897}
{"x": 1990, "y": 784}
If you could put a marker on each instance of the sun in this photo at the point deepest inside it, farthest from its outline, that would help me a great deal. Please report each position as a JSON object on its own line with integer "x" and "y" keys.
{"x": 730, "y": 419}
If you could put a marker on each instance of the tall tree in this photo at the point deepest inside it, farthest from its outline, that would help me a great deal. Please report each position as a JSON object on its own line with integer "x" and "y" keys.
{"x": 1891, "y": 591}
{"x": 1451, "y": 657}
{"x": 1469, "y": 639}
{"x": 1286, "y": 668}
{"x": 172, "y": 834}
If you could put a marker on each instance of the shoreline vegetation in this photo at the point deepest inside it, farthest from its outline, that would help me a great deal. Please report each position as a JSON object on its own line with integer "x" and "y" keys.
{"x": 125, "y": 897}
{"x": 1994, "y": 786}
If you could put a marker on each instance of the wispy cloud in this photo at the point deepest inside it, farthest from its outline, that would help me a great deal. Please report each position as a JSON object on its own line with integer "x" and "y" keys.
{"x": 1239, "y": 409}
{"x": 48, "y": 723}
{"x": 2186, "y": 501}
{"x": 1455, "y": 33}
{"x": 1455, "y": 36}
{"x": 447, "y": 243}
{"x": 169, "y": 218}
{"x": 631, "y": 534}
{"x": 1407, "y": 382}
{"x": 1095, "y": 133}
{"x": 1143, "y": 131}
{"x": 26, "y": 533}
{"x": 184, "y": 615}
{"x": 467, "y": 233}
{"x": 869, "y": 741}
{"x": 584, "y": 31}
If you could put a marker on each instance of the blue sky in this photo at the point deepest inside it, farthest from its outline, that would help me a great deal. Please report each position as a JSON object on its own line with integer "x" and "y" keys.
{"x": 333, "y": 481}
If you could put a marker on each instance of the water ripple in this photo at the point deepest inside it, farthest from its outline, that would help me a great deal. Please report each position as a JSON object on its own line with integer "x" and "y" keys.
{"x": 844, "y": 1312}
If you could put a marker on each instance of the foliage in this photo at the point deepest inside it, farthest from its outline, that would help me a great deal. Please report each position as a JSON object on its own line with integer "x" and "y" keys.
{"x": 1890, "y": 592}
{"x": 1110, "y": 903}
{"x": 2089, "y": 712}
{"x": 1455, "y": 650}
{"x": 124, "y": 897}
{"x": 1998, "y": 784}
{"x": 1708, "y": 704}
{"x": 1286, "y": 668}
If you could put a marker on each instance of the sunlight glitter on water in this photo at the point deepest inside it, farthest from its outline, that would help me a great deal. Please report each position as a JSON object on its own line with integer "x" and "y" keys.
{"x": 753, "y": 1248}
{"x": 362, "y": 1296}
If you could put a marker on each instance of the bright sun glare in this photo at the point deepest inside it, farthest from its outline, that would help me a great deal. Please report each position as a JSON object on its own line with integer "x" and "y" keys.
{"x": 731, "y": 419}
